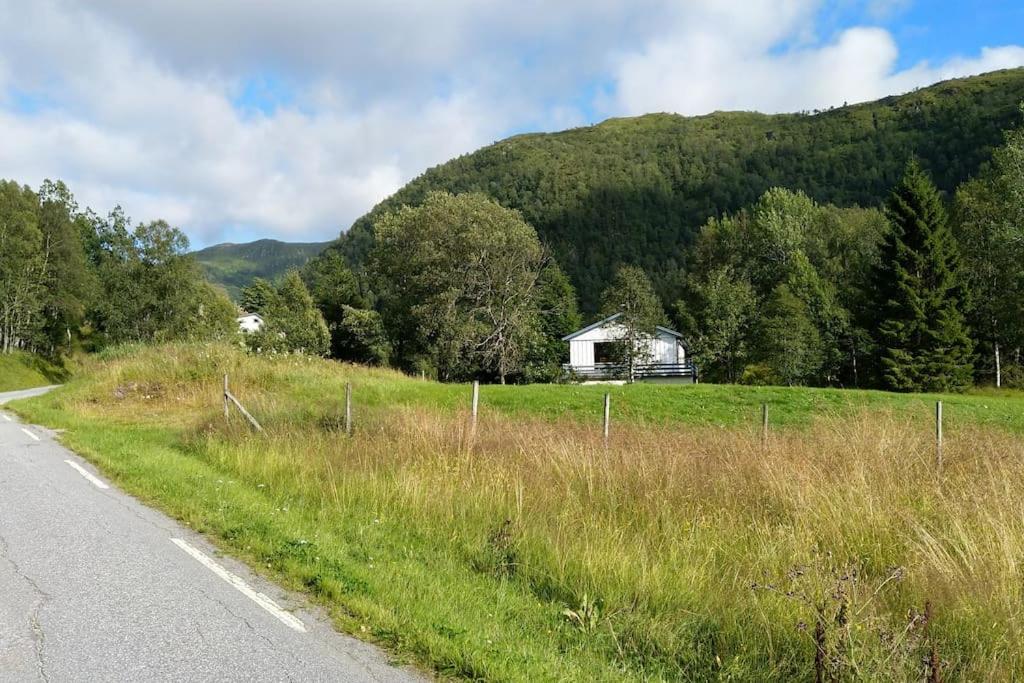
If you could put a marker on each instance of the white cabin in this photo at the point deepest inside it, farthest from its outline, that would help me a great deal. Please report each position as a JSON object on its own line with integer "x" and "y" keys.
{"x": 250, "y": 322}
{"x": 592, "y": 353}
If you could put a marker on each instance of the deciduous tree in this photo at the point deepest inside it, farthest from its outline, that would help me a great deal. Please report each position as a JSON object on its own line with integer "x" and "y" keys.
{"x": 990, "y": 228}
{"x": 292, "y": 322}
{"x": 788, "y": 343}
{"x": 23, "y": 266}
{"x": 631, "y": 294}
{"x": 458, "y": 280}
{"x": 720, "y": 333}
{"x": 559, "y": 315}
{"x": 360, "y": 337}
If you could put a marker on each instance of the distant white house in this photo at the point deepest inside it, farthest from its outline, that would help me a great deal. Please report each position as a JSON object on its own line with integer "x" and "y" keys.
{"x": 592, "y": 354}
{"x": 250, "y": 322}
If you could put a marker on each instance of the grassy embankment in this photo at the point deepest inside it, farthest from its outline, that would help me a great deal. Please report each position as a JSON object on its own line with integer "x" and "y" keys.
{"x": 24, "y": 370}
{"x": 684, "y": 551}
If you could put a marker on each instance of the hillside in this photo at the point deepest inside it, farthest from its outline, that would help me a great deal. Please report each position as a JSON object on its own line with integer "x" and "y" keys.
{"x": 20, "y": 370}
{"x": 638, "y": 189}
{"x": 235, "y": 265}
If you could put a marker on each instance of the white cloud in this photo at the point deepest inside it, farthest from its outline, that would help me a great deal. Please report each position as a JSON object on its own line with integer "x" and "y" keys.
{"x": 120, "y": 126}
{"x": 990, "y": 59}
{"x": 690, "y": 69}
{"x": 882, "y": 9}
{"x": 138, "y": 102}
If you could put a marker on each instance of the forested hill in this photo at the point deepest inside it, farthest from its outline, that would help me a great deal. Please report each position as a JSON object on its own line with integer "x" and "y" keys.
{"x": 235, "y": 265}
{"x": 636, "y": 190}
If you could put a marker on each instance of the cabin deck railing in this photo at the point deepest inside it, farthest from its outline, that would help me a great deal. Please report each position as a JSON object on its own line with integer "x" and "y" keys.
{"x": 640, "y": 371}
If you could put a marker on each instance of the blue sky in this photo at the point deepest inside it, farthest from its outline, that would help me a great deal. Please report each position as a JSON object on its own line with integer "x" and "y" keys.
{"x": 935, "y": 30}
{"x": 238, "y": 119}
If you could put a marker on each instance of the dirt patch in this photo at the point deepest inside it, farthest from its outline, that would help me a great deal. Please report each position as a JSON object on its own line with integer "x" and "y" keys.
{"x": 146, "y": 391}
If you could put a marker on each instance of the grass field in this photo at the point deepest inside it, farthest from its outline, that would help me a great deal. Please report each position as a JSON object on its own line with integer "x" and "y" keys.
{"x": 686, "y": 550}
{"x": 23, "y": 371}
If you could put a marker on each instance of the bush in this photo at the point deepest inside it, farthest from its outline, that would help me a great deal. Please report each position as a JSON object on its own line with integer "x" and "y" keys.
{"x": 1013, "y": 376}
{"x": 759, "y": 374}
{"x": 359, "y": 337}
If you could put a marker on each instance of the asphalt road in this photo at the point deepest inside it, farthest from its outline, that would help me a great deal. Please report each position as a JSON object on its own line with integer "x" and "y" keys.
{"x": 94, "y": 586}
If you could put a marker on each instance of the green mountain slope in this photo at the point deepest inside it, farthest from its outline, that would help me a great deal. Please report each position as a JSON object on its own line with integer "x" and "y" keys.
{"x": 235, "y": 265}
{"x": 636, "y": 190}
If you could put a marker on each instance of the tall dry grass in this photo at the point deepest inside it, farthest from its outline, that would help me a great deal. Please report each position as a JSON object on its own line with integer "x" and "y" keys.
{"x": 687, "y": 539}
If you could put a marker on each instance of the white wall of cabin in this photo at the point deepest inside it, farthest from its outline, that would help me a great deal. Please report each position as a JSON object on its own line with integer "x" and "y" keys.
{"x": 663, "y": 347}
{"x": 249, "y": 323}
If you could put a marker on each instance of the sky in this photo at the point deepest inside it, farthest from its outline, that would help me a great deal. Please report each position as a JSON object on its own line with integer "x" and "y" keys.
{"x": 241, "y": 119}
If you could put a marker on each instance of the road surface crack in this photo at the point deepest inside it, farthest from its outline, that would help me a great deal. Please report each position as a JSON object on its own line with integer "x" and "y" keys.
{"x": 38, "y": 636}
{"x": 255, "y": 631}
{"x": 132, "y": 505}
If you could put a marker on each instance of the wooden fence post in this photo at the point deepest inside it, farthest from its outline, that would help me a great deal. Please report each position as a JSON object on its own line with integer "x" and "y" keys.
{"x": 348, "y": 408}
{"x": 607, "y": 416}
{"x": 764, "y": 425}
{"x": 245, "y": 413}
{"x": 476, "y": 402}
{"x": 229, "y": 398}
{"x": 938, "y": 435}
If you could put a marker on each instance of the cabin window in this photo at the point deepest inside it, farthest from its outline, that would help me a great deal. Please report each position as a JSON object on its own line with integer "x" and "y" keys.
{"x": 605, "y": 352}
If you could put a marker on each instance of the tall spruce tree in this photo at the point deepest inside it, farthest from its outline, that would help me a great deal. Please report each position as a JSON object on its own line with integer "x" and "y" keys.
{"x": 922, "y": 337}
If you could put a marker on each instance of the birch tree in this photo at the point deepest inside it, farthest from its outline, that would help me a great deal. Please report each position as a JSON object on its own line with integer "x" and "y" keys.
{"x": 632, "y": 294}
{"x": 22, "y": 265}
{"x": 990, "y": 228}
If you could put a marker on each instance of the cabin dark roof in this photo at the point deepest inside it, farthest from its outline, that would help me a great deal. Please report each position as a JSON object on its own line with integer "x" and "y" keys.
{"x": 588, "y": 328}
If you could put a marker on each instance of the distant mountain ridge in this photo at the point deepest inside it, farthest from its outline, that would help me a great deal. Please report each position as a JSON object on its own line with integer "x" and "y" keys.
{"x": 235, "y": 265}
{"x": 637, "y": 190}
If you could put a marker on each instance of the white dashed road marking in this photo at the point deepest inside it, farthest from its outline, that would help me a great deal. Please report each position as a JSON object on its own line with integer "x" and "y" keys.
{"x": 7, "y": 417}
{"x": 30, "y": 434}
{"x": 88, "y": 475}
{"x": 259, "y": 598}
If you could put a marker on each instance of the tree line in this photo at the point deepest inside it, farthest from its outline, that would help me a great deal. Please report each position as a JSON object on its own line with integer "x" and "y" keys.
{"x": 457, "y": 287}
{"x": 925, "y": 294}
{"x": 72, "y": 279}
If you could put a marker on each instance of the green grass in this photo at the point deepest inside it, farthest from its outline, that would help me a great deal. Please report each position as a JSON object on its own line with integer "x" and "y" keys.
{"x": 19, "y": 370}
{"x": 664, "y": 405}
{"x": 729, "y": 405}
{"x": 530, "y": 552}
